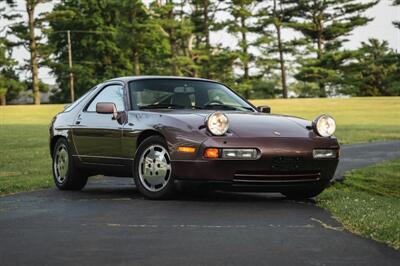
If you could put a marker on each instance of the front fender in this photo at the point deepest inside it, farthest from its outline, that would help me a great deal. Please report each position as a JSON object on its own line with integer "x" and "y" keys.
{"x": 175, "y": 131}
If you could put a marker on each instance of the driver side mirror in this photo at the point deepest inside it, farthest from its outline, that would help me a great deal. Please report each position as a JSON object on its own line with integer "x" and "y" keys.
{"x": 107, "y": 108}
{"x": 264, "y": 109}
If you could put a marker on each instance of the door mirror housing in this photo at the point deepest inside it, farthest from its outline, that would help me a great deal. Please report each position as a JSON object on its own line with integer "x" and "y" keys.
{"x": 264, "y": 109}
{"x": 107, "y": 108}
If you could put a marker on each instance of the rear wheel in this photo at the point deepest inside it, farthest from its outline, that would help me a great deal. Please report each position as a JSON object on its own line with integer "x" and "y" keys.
{"x": 66, "y": 175}
{"x": 303, "y": 194}
{"x": 153, "y": 170}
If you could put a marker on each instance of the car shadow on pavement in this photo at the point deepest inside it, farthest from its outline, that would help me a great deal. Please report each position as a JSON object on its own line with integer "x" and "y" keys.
{"x": 122, "y": 188}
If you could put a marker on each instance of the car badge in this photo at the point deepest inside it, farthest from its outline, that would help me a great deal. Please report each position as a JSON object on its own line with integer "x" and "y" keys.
{"x": 277, "y": 133}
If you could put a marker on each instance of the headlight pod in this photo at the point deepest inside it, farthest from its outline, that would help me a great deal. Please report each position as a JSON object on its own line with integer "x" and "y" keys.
{"x": 324, "y": 125}
{"x": 217, "y": 123}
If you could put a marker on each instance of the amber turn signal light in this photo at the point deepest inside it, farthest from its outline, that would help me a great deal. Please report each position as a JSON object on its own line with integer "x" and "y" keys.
{"x": 211, "y": 153}
{"x": 186, "y": 149}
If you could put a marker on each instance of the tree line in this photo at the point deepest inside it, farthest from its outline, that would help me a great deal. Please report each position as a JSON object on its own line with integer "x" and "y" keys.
{"x": 174, "y": 37}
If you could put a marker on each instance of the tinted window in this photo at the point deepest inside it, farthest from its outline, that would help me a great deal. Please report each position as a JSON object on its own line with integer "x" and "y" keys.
{"x": 110, "y": 94}
{"x": 184, "y": 94}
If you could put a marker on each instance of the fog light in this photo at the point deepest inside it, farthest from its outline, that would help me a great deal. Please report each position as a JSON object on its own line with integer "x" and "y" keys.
{"x": 324, "y": 153}
{"x": 250, "y": 154}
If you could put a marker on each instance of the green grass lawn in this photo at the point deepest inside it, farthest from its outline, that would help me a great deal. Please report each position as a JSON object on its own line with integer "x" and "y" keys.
{"x": 368, "y": 202}
{"x": 25, "y": 160}
{"x": 24, "y": 155}
{"x": 358, "y": 119}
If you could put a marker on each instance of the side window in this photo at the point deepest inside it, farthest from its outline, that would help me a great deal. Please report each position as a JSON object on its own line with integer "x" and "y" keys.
{"x": 74, "y": 104}
{"x": 110, "y": 94}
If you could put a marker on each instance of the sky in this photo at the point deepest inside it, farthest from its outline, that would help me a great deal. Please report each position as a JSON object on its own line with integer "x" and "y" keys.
{"x": 381, "y": 28}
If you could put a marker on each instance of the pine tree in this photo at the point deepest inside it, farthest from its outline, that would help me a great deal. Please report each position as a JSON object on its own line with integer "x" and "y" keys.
{"x": 10, "y": 86}
{"x": 326, "y": 23}
{"x": 203, "y": 21}
{"x": 213, "y": 61}
{"x": 135, "y": 30}
{"x": 272, "y": 44}
{"x": 396, "y": 23}
{"x": 240, "y": 26}
{"x": 26, "y": 36}
{"x": 141, "y": 37}
{"x": 176, "y": 26}
{"x": 375, "y": 71}
{"x": 99, "y": 51}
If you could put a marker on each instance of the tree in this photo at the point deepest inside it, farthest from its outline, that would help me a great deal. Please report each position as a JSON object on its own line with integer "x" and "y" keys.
{"x": 396, "y": 23}
{"x": 176, "y": 26}
{"x": 25, "y": 33}
{"x": 326, "y": 23}
{"x": 213, "y": 61}
{"x": 375, "y": 72}
{"x": 141, "y": 37}
{"x": 263, "y": 88}
{"x": 203, "y": 20}
{"x": 99, "y": 51}
{"x": 240, "y": 25}
{"x": 272, "y": 45}
{"x": 10, "y": 86}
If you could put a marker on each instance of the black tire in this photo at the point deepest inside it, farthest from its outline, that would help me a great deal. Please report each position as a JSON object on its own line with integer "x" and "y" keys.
{"x": 303, "y": 194}
{"x": 152, "y": 190}
{"x": 69, "y": 177}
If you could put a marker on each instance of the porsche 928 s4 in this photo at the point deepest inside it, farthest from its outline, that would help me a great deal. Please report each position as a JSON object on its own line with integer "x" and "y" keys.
{"x": 161, "y": 131}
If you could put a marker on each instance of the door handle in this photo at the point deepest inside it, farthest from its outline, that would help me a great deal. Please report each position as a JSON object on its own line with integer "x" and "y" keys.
{"x": 78, "y": 120}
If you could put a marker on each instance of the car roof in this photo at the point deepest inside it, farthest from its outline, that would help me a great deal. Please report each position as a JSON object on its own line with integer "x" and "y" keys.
{"x": 131, "y": 78}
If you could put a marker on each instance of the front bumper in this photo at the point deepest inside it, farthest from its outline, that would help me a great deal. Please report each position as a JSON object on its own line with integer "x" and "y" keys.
{"x": 284, "y": 163}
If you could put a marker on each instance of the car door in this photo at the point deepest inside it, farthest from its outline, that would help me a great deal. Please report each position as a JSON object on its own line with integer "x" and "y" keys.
{"x": 97, "y": 137}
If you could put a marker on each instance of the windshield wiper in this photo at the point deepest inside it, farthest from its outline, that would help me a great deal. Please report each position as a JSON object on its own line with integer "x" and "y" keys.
{"x": 167, "y": 106}
{"x": 162, "y": 106}
{"x": 208, "y": 106}
{"x": 227, "y": 107}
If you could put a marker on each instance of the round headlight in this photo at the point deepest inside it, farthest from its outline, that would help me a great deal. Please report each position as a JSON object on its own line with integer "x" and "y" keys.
{"x": 217, "y": 123}
{"x": 324, "y": 125}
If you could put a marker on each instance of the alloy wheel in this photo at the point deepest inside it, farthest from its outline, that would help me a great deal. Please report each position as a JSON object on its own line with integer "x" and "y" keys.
{"x": 61, "y": 162}
{"x": 154, "y": 168}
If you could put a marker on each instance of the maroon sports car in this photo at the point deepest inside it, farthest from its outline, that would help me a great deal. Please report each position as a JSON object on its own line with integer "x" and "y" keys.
{"x": 163, "y": 131}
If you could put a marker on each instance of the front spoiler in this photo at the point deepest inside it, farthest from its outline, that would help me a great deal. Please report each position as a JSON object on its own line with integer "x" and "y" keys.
{"x": 264, "y": 174}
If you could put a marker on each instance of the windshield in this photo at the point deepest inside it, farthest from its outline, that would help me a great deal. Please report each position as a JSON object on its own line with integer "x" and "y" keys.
{"x": 184, "y": 94}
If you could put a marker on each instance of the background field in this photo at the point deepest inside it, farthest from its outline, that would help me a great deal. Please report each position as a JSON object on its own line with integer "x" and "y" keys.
{"x": 25, "y": 160}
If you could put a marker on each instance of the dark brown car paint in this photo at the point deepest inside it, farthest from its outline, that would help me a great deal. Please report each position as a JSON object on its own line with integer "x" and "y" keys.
{"x": 101, "y": 145}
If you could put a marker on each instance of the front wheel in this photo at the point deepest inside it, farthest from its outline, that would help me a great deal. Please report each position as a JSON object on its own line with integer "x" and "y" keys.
{"x": 66, "y": 175}
{"x": 152, "y": 169}
{"x": 303, "y": 194}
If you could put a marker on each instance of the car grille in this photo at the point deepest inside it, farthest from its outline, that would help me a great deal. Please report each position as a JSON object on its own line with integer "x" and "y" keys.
{"x": 271, "y": 177}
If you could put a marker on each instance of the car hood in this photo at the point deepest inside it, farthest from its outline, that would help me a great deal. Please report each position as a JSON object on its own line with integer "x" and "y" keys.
{"x": 260, "y": 125}
{"x": 247, "y": 124}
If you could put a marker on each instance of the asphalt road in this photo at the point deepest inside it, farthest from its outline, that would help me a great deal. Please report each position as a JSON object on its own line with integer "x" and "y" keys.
{"x": 361, "y": 155}
{"x": 109, "y": 223}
